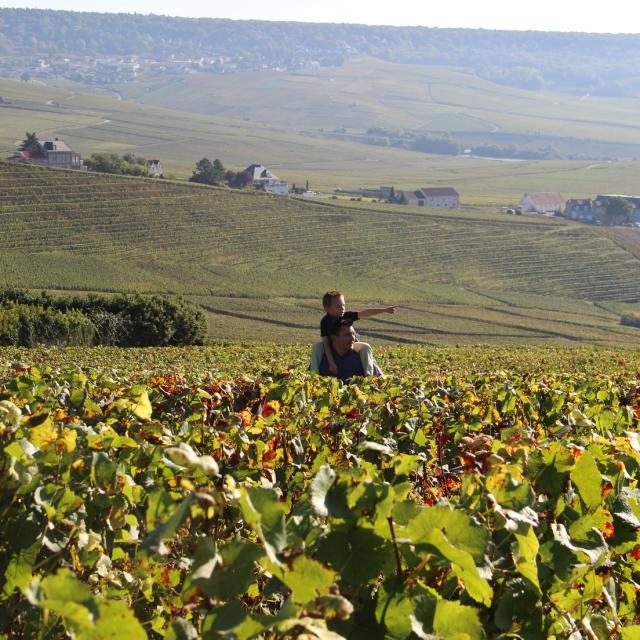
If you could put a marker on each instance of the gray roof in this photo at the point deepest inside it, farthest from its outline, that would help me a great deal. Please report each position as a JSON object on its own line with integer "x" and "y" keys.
{"x": 434, "y": 192}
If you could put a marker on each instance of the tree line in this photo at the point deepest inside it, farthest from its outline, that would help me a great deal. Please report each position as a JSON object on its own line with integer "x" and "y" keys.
{"x": 28, "y": 319}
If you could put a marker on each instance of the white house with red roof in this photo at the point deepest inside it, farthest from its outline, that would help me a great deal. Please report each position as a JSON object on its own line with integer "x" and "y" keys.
{"x": 542, "y": 202}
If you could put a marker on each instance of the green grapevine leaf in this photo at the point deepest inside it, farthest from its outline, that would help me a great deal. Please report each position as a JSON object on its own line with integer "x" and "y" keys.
{"x": 308, "y": 579}
{"x": 226, "y": 573}
{"x": 264, "y": 512}
{"x": 24, "y": 544}
{"x": 525, "y": 552}
{"x": 115, "y": 621}
{"x": 587, "y": 479}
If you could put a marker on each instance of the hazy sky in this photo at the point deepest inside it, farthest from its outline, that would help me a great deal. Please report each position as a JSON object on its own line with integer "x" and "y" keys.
{"x": 614, "y": 16}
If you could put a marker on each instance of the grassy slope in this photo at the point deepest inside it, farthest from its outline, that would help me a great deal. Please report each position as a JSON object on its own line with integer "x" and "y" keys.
{"x": 100, "y": 123}
{"x": 258, "y": 263}
{"x": 369, "y": 92}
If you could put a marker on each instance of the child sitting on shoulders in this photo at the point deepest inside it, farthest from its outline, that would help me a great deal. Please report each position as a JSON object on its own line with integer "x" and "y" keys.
{"x": 335, "y": 310}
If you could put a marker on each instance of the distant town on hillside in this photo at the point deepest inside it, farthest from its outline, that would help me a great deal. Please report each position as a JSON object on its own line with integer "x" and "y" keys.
{"x": 112, "y": 48}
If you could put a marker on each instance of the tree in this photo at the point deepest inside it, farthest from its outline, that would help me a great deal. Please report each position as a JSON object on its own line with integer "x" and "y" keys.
{"x": 618, "y": 210}
{"x": 105, "y": 163}
{"x": 205, "y": 172}
{"x": 30, "y": 142}
{"x": 238, "y": 180}
{"x": 218, "y": 171}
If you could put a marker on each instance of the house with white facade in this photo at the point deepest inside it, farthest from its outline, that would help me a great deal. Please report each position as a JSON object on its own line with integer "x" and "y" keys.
{"x": 264, "y": 179}
{"x": 441, "y": 197}
{"x": 542, "y": 202}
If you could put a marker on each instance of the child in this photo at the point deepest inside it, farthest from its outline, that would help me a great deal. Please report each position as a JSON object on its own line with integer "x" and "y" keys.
{"x": 334, "y": 307}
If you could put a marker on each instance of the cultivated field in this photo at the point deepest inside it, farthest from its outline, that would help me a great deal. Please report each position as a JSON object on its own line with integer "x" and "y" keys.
{"x": 92, "y": 123}
{"x": 258, "y": 263}
{"x": 470, "y": 494}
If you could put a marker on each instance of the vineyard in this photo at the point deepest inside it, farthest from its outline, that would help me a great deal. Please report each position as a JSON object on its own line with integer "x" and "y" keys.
{"x": 262, "y": 260}
{"x": 473, "y": 493}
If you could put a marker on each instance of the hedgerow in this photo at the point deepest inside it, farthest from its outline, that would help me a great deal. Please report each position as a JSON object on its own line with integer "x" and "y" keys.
{"x": 125, "y": 321}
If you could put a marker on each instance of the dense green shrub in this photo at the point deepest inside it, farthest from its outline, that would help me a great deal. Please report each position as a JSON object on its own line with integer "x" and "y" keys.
{"x": 126, "y": 321}
{"x": 29, "y": 325}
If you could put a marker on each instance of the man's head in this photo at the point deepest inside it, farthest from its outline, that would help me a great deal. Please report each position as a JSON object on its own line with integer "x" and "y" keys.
{"x": 342, "y": 336}
{"x": 333, "y": 303}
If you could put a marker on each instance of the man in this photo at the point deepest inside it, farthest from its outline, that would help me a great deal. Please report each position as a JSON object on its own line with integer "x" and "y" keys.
{"x": 350, "y": 362}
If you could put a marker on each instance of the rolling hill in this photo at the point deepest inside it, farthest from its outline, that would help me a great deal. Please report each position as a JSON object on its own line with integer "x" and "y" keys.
{"x": 99, "y": 122}
{"x": 259, "y": 263}
{"x": 367, "y": 92}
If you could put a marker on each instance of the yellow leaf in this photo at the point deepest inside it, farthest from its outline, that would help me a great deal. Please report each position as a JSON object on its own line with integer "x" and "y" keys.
{"x": 142, "y": 406}
{"x": 44, "y": 435}
{"x": 68, "y": 440}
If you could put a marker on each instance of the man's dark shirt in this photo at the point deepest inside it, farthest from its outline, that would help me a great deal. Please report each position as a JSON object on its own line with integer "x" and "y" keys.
{"x": 347, "y": 318}
{"x": 348, "y": 365}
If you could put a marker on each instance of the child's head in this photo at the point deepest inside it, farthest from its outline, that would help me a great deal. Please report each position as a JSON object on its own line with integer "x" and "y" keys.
{"x": 333, "y": 303}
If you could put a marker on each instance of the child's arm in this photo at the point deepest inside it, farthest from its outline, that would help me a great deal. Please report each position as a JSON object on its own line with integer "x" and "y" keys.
{"x": 366, "y": 313}
{"x": 329, "y": 353}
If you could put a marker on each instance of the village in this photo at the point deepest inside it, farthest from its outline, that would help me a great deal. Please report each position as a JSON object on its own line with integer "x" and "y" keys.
{"x": 600, "y": 210}
{"x": 106, "y": 69}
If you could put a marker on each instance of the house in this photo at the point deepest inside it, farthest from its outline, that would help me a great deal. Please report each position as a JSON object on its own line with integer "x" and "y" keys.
{"x": 264, "y": 179}
{"x": 588, "y": 210}
{"x": 435, "y": 197}
{"x": 441, "y": 197}
{"x": 542, "y": 202}
{"x": 50, "y": 153}
{"x": 155, "y": 168}
{"x": 585, "y": 209}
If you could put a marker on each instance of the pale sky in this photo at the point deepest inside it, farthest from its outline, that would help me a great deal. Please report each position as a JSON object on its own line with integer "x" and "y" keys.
{"x": 613, "y": 16}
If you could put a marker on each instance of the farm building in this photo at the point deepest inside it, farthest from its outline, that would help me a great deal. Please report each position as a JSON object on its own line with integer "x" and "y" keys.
{"x": 54, "y": 154}
{"x": 542, "y": 202}
{"x": 435, "y": 197}
{"x": 444, "y": 197}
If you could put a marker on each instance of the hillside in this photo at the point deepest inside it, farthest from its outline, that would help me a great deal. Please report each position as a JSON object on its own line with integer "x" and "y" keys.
{"x": 99, "y": 122}
{"x": 369, "y": 93}
{"x": 258, "y": 263}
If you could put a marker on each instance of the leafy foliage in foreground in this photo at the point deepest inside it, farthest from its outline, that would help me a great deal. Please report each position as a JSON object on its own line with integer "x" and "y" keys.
{"x": 480, "y": 506}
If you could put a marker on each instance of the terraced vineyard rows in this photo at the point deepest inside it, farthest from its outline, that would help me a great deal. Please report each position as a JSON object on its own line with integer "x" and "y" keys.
{"x": 196, "y": 240}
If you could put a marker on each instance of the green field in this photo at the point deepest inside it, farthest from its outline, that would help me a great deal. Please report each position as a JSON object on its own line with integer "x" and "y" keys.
{"x": 258, "y": 264}
{"x": 99, "y": 122}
